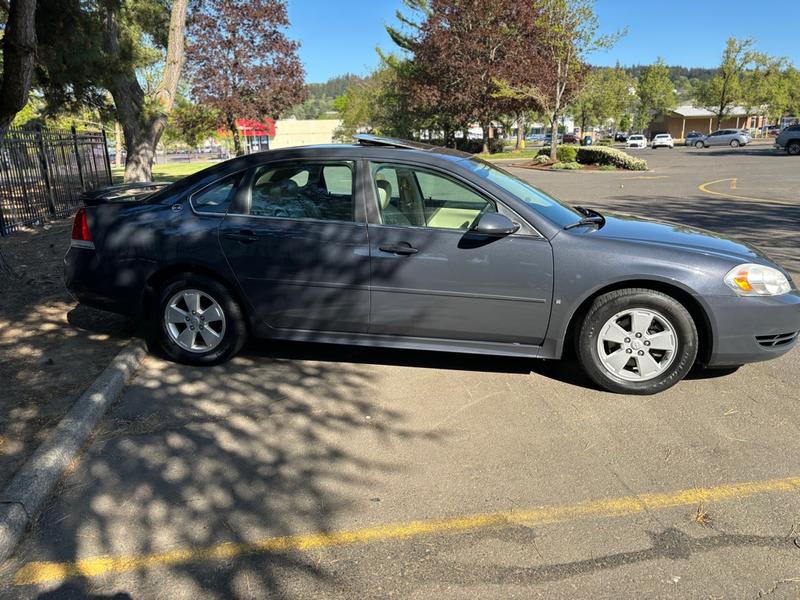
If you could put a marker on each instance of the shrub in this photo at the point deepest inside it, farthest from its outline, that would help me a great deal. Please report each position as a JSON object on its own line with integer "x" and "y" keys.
{"x": 599, "y": 155}
{"x": 603, "y": 142}
{"x": 569, "y": 166}
{"x": 542, "y": 159}
{"x": 564, "y": 153}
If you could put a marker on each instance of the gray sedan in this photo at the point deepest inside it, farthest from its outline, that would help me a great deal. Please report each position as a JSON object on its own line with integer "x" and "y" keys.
{"x": 724, "y": 137}
{"x": 395, "y": 244}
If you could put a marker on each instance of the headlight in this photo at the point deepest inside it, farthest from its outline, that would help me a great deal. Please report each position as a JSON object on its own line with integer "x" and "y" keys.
{"x": 757, "y": 280}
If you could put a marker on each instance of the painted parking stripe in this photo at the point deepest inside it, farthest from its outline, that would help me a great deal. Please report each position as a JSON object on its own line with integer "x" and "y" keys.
{"x": 703, "y": 187}
{"x": 42, "y": 572}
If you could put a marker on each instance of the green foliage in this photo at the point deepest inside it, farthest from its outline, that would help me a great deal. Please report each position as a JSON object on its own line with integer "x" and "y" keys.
{"x": 542, "y": 159}
{"x": 607, "y": 168}
{"x": 599, "y": 155}
{"x": 321, "y": 98}
{"x": 607, "y": 96}
{"x": 655, "y": 91}
{"x": 724, "y": 90}
{"x": 564, "y": 152}
{"x": 603, "y": 142}
{"x": 567, "y": 166}
{"x": 190, "y": 123}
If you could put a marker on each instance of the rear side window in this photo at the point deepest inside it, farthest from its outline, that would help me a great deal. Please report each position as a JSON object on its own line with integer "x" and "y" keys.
{"x": 217, "y": 197}
{"x": 303, "y": 190}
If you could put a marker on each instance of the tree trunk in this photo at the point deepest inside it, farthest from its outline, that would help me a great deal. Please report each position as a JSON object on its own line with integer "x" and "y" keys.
{"x": 554, "y": 137}
{"x": 143, "y": 125}
{"x": 520, "y": 133}
{"x": 19, "y": 53}
{"x": 485, "y": 129}
{"x": 237, "y": 144}
{"x": 117, "y": 144}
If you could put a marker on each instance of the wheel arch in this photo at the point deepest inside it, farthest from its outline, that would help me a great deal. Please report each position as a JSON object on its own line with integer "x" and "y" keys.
{"x": 697, "y": 311}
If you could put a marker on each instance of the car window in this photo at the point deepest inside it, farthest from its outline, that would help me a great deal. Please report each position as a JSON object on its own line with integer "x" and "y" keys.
{"x": 417, "y": 197}
{"x": 303, "y": 190}
{"x": 217, "y": 197}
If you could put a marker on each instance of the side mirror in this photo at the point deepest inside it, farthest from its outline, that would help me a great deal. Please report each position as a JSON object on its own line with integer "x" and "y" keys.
{"x": 494, "y": 224}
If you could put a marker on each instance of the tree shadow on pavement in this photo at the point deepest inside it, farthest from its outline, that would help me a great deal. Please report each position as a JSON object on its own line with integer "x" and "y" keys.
{"x": 195, "y": 457}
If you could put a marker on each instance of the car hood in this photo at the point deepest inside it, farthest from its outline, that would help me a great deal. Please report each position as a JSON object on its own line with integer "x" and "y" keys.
{"x": 673, "y": 235}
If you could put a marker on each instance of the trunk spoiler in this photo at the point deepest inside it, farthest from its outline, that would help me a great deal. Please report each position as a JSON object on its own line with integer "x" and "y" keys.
{"x": 124, "y": 192}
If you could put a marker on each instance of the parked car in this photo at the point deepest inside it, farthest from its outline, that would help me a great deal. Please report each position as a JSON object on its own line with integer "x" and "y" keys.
{"x": 692, "y": 138}
{"x": 570, "y": 138}
{"x": 637, "y": 141}
{"x": 397, "y": 244}
{"x": 789, "y": 140}
{"x": 771, "y": 130}
{"x": 620, "y": 137}
{"x": 724, "y": 137}
{"x": 662, "y": 140}
{"x": 587, "y": 140}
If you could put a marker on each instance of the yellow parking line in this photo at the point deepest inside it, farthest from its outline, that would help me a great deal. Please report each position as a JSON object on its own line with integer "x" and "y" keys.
{"x": 41, "y": 572}
{"x": 703, "y": 187}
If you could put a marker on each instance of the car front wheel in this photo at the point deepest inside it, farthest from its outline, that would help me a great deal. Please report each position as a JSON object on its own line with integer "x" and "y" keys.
{"x": 734, "y": 143}
{"x": 200, "y": 323}
{"x": 637, "y": 341}
{"x": 698, "y": 145}
{"x": 793, "y": 148}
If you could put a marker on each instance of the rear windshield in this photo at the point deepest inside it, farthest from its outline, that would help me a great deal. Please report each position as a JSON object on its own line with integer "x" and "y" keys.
{"x": 542, "y": 203}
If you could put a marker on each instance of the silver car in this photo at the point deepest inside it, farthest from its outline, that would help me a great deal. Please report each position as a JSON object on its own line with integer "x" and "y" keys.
{"x": 724, "y": 137}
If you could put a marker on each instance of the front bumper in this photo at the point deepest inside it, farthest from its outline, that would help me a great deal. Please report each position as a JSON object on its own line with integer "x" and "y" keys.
{"x": 752, "y": 329}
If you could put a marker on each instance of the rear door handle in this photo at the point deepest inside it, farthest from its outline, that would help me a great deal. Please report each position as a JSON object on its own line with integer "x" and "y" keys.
{"x": 243, "y": 235}
{"x": 397, "y": 249}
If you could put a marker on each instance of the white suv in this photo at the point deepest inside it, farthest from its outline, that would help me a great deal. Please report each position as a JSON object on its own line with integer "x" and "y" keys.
{"x": 637, "y": 141}
{"x": 662, "y": 139}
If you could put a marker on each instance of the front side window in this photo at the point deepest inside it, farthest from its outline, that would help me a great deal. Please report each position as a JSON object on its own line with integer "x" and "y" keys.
{"x": 217, "y": 197}
{"x": 417, "y": 197}
{"x": 303, "y": 190}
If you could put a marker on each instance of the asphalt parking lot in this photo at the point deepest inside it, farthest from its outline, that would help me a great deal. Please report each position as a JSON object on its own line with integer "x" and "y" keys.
{"x": 304, "y": 471}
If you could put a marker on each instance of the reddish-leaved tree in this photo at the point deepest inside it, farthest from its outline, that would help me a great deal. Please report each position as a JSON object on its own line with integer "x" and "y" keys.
{"x": 241, "y": 62}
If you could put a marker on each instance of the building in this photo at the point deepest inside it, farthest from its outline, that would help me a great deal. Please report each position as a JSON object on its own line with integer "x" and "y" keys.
{"x": 683, "y": 119}
{"x": 270, "y": 134}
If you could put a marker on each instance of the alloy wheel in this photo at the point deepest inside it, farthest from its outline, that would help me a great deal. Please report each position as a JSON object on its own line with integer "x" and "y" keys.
{"x": 194, "y": 320}
{"x": 637, "y": 344}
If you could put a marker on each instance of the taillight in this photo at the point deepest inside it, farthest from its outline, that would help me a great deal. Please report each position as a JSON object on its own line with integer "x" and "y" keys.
{"x": 80, "y": 230}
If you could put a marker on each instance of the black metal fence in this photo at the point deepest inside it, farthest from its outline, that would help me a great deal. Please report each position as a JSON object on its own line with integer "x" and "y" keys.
{"x": 43, "y": 173}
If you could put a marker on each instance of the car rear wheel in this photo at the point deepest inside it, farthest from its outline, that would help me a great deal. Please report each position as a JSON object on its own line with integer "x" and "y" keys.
{"x": 637, "y": 341}
{"x": 734, "y": 143}
{"x": 200, "y": 323}
{"x": 793, "y": 147}
{"x": 698, "y": 144}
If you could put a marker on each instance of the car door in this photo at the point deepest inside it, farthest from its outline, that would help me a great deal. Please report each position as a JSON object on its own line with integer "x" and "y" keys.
{"x": 718, "y": 138}
{"x": 296, "y": 240}
{"x": 432, "y": 277}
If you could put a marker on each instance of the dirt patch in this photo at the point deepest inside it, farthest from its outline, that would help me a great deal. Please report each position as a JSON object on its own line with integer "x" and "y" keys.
{"x": 51, "y": 349}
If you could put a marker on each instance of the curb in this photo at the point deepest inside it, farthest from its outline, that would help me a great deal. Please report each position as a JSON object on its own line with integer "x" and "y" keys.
{"x": 24, "y": 496}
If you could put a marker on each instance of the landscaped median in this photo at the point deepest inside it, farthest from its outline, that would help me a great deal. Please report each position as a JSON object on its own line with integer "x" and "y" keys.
{"x": 600, "y": 158}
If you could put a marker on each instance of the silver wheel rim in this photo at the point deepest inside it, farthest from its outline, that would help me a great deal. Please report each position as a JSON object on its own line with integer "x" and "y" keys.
{"x": 195, "y": 321}
{"x": 637, "y": 344}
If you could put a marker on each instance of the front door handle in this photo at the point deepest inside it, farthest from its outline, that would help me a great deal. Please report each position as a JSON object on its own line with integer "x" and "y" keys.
{"x": 243, "y": 235}
{"x": 398, "y": 249}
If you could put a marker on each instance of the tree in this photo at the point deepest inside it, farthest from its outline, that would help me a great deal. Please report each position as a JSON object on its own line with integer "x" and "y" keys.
{"x": 765, "y": 89}
{"x": 241, "y": 62}
{"x": 607, "y": 96}
{"x": 562, "y": 35}
{"x": 19, "y": 52}
{"x": 459, "y": 47}
{"x": 724, "y": 90}
{"x": 191, "y": 123}
{"x": 656, "y": 93}
{"x": 132, "y": 50}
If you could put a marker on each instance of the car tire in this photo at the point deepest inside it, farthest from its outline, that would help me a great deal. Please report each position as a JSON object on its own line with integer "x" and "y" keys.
{"x": 699, "y": 145}
{"x": 735, "y": 143}
{"x": 212, "y": 340}
{"x": 793, "y": 148}
{"x": 670, "y": 323}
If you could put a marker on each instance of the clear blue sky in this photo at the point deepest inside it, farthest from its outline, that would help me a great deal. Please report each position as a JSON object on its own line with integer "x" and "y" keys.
{"x": 340, "y": 36}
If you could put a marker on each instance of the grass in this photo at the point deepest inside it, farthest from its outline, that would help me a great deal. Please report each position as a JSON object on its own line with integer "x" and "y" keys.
{"x": 527, "y": 153}
{"x": 168, "y": 172}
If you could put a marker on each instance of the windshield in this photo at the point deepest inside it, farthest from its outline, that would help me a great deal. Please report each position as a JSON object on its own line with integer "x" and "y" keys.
{"x": 542, "y": 203}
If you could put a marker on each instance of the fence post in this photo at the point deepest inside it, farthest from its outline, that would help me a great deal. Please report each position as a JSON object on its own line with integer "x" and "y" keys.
{"x": 45, "y": 163}
{"x": 105, "y": 154}
{"x": 78, "y": 157}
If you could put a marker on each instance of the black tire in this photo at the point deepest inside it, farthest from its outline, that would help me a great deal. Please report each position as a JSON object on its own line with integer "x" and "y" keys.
{"x": 699, "y": 145}
{"x": 735, "y": 143}
{"x": 235, "y": 333}
{"x": 608, "y": 305}
{"x": 793, "y": 147}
